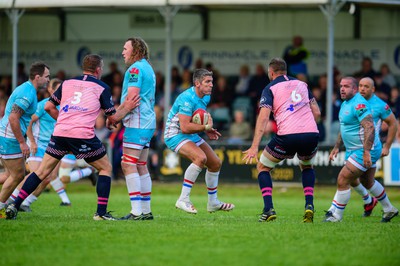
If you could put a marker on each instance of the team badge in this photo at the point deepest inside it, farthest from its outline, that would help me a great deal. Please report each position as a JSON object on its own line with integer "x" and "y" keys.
{"x": 133, "y": 75}
{"x": 361, "y": 109}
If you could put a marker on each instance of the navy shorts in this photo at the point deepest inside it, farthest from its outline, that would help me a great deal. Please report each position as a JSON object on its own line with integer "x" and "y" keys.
{"x": 286, "y": 146}
{"x": 88, "y": 149}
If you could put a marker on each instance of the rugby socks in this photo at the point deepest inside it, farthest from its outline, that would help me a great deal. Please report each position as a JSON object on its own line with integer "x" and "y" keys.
{"x": 212, "y": 185}
{"x": 134, "y": 187}
{"x": 378, "y": 191}
{"x": 80, "y": 173}
{"x": 265, "y": 182}
{"x": 29, "y": 200}
{"x": 103, "y": 192}
{"x": 31, "y": 183}
{"x": 58, "y": 187}
{"x": 189, "y": 178}
{"x": 360, "y": 189}
{"x": 308, "y": 180}
{"x": 342, "y": 197}
{"x": 13, "y": 196}
{"x": 145, "y": 192}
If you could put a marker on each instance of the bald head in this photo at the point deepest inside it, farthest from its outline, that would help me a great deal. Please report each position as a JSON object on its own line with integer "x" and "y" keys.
{"x": 366, "y": 87}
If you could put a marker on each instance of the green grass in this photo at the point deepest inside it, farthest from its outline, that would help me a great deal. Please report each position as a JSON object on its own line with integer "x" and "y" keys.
{"x": 53, "y": 235}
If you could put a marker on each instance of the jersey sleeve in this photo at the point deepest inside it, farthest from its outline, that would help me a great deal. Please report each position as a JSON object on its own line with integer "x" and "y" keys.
{"x": 40, "y": 109}
{"x": 386, "y": 111}
{"x": 135, "y": 77}
{"x": 185, "y": 106}
{"x": 267, "y": 98}
{"x": 106, "y": 102}
{"x": 55, "y": 98}
{"x": 24, "y": 101}
{"x": 361, "y": 110}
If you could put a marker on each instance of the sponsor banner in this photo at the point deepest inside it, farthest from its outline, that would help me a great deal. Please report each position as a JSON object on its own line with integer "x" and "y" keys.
{"x": 235, "y": 170}
{"x": 392, "y": 164}
{"x": 226, "y": 56}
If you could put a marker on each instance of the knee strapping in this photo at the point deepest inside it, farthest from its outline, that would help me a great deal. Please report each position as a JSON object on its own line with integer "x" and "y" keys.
{"x": 130, "y": 159}
{"x": 64, "y": 171}
{"x": 267, "y": 162}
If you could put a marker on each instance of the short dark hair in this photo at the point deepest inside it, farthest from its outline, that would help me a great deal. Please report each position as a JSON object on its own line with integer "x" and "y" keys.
{"x": 278, "y": 65}
{"x": 354, "y": 82}
{"x": 91, "y": 62}
{"x": 37, "y": 68}
{"x": 200, "y": 73}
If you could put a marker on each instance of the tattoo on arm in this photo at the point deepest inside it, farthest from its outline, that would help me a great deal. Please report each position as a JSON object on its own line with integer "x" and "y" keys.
{"x": 369, "y": 132}
{"x": 339, "y": 141}
{"x": 16, "y": 109}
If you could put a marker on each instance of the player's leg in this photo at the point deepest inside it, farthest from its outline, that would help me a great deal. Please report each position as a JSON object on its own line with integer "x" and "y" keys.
{"x": 83, "y": 170}
{"x": 352, "y": 169}
{"x": 145, "y": 184}
{"x": 33, "y": 163}
{"x": 103, "y": 186}
{"x": 32, "y": 182}
{"x": 266, "y": 163}
{"x": 307, "y": 146}
{"x": 129, "y": 167}
{"x": 213, "y": 165}
{"x": 369, "y": 202}
{"x": 378, "y": 191}
{"x": 191, "y": 151}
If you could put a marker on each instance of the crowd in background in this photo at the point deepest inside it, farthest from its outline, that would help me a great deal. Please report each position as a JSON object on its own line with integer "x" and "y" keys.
{"x": 234, "y": 99}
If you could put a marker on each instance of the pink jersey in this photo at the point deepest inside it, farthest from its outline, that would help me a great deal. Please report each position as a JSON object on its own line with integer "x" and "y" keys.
{"x": 289, "y": 99}
{"x": 80, "y": 101}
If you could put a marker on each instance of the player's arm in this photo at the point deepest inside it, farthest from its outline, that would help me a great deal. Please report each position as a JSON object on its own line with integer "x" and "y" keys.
{"x": 315, "y": 110}
{"x": 29, "y": 134}
{"x": 262, "y": 122}
{"x": 51, "y": 109}
{"x": 188, "y": 127}
{"x": 335, "y": 150}
{"x": 130, "y": 103}
{"x": 369, "y": 135}
{"x": 392, "y": 131}
{"x": 14, "y": 119}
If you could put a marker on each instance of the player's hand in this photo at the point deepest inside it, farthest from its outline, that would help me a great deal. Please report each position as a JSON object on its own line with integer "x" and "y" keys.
{"x": 33, "y": 148}
{"x": 132, "y": 103}
{"x": 210, "y": 122}
{"x": 367, "y": 159}
{"x": 385, "y": 152}
{"x": 24, "y": 149}
{"x": 213, "y": 134}
{"x": 110, "y": 125}
{"x": 250, "y": 154}
{"x": 333, "y": 154}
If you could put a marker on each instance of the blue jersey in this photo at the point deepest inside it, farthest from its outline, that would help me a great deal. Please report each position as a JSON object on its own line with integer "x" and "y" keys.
{"x": 351, "y": 113}
{"x": 186, "y": 103}
{"x": 25, "y": 97}
{"x": 43, "y": 128}
{"x": 380, "y": 111}
{"x": 141, "y": 75}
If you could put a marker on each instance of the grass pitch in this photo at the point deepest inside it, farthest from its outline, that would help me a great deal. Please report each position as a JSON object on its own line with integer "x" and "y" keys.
{"x": 54, "y": 235}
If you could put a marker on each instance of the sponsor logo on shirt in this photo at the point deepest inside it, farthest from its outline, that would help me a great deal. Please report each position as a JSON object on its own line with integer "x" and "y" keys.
{"x": 133, "y": 75}
{"x": 74, "y": 107}
{"x": 360, "y": 109}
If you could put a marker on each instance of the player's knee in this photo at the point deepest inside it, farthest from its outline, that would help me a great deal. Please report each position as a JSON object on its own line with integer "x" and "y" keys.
{"x": 265, "y": 162}
{"x": 64, "y": 171}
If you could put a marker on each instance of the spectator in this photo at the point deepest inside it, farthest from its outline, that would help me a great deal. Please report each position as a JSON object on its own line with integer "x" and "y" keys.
{"x": 21, "y": 74}
{"x": 176, "y": 76}
{"x": 109, "y": 78}
{"x": 366, "y": 69}
{"x": 257, "y": 83}
{"x": 240, "y": 130}
{"x": 61, "y": 75}
{"x": 387, "y": 76}
{"x": 295, "y": 56}
{"x": 186, "y": 81}
{"x": 243, "y": 83}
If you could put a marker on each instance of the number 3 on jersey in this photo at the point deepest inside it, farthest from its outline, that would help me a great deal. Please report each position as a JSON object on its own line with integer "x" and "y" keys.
{"x": 78, "y": 95}
{"x": 296, "y": 97}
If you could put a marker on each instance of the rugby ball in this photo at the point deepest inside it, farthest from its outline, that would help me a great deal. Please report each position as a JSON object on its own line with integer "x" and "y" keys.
{"x": 200, "y": 116}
